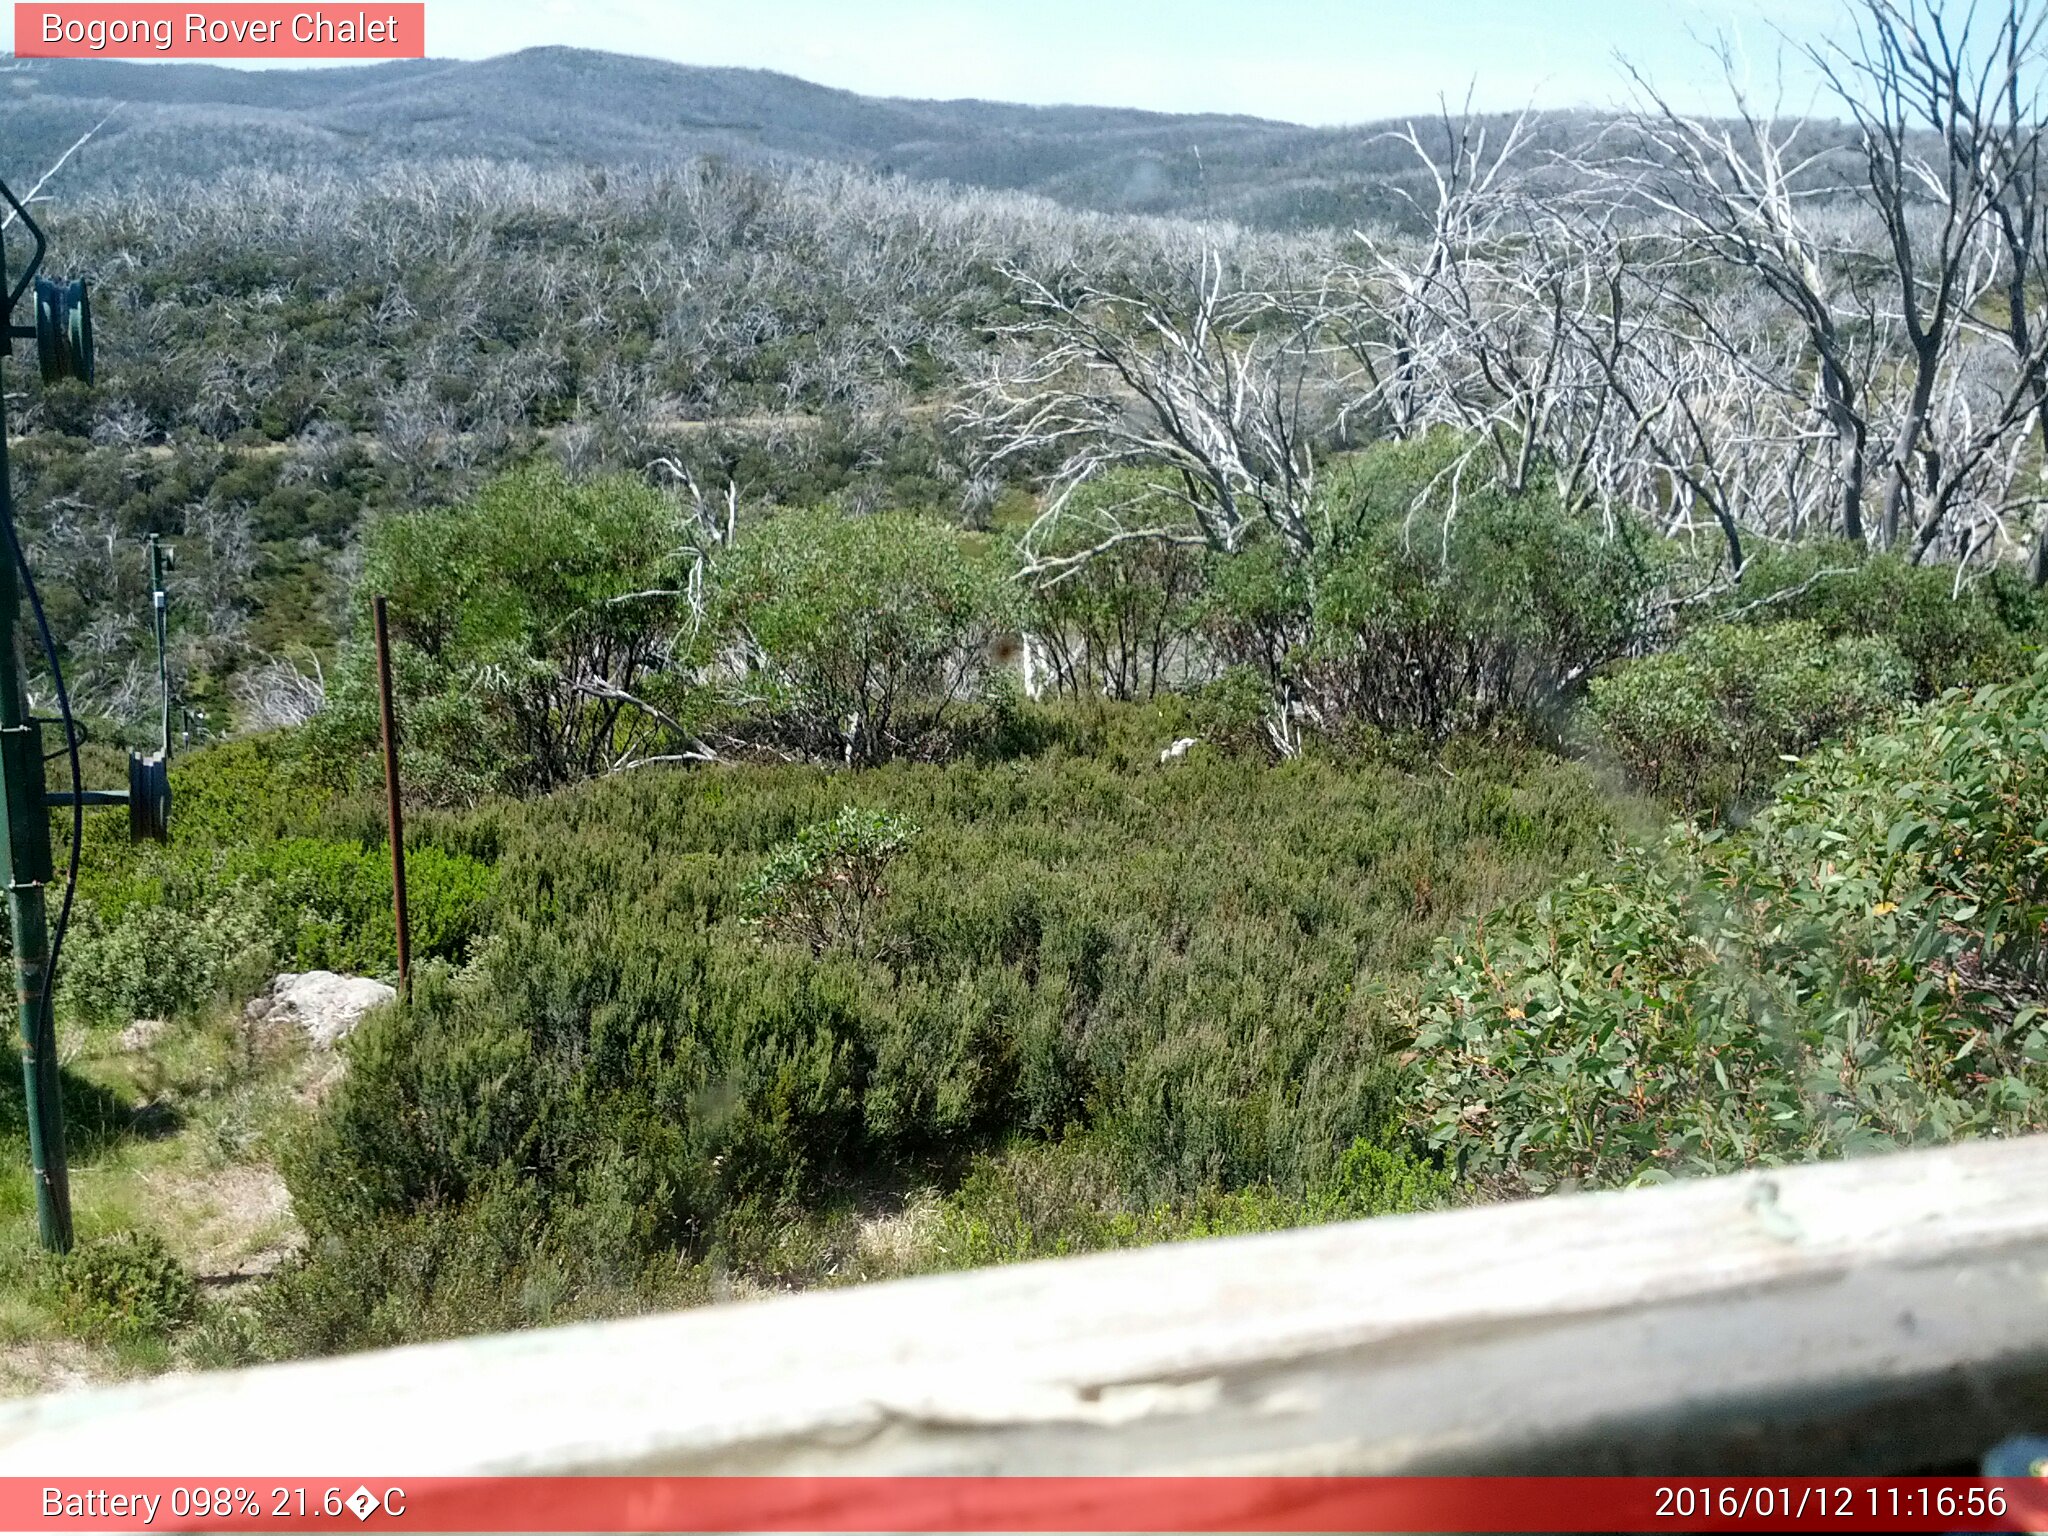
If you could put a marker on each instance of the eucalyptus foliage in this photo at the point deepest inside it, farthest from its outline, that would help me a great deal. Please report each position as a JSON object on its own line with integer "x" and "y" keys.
{"x": 825, "y": 885}
{"x": 1716, "y": 718}
{"x": 858, "y": 637}
{"x": 538, "y": 633}
{"x": 1862, "y": 967}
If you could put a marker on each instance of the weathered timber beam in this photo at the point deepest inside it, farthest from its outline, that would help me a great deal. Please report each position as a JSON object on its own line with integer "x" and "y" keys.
{"x": 1886, "y": 1313}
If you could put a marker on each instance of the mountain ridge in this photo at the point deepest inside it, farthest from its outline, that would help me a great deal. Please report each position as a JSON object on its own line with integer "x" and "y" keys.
{"x": 560, "y": 105}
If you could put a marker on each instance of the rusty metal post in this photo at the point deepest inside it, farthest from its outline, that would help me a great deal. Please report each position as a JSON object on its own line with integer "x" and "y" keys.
{"x": 391, "y": 797}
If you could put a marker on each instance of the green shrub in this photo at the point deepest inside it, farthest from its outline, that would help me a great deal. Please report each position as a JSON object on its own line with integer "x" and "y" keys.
{"x": 1937, "y": 835}
{"x": 539, "y": 636}
{"x": 488, "y": 1265}
{"x": 1987, "y": 633}
{"x": 235, "y": 791}
{"x": 156, "y": 961}
{"x": 1863, "y": 966}
{"x": 1256, "y": 621}
{"x": 1191, "y": 967}
{"x": 262, "y": 872}
{"x": 1442, "y": 610}
{"x": 859, "y": 635}
{"x": 328, "y": 903}
{"x": 1046, "y": 1200}
{"x": 1427, "y": 613}
{"x": 123, "y": 1286}
{"x": 1123, "y": 624}
{"x": 1375, "y": 1180}
{"x": 1713, "y": 720}
{"x": 824, "y": 886}
{"x": 190, "y": 922}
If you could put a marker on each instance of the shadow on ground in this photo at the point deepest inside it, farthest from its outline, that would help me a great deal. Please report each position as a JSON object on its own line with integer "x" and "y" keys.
{"x": 96, "y": 1119}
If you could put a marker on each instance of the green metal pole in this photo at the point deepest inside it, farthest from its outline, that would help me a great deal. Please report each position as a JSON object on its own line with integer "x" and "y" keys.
{"x": 160, "y": 613}
{"x": 26, "y": 854}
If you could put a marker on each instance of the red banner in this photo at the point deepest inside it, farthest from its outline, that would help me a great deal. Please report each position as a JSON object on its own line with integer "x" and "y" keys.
{"x": 1050, "y": 1504}
{"x": 376, "y": 30}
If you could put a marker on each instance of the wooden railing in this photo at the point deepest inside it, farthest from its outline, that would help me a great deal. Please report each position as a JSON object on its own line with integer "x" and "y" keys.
{"x": 1888, "y": 1313}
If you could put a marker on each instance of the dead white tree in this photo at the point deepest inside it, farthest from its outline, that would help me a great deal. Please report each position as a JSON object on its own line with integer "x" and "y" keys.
{"x": 1989, "y": 102}
{"x": 277, "y": 692}
{"x": 1742, "y": 190}
{"x": 1210, "y": 385}
{"x": 35, "y": 192}
{"x": 1516, "y": 316}
{"x": 711, "y": 526}
{"x": 1392, "y": 322}
{"x": 1908, "y": 81}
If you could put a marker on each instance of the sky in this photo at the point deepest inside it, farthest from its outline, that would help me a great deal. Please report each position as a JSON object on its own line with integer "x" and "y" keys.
{"x": 1309, "y": 61}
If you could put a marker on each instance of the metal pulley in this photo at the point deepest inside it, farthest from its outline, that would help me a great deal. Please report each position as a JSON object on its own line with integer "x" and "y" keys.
{"x": 63, "y": 330}
{"x": 149, "y": 798}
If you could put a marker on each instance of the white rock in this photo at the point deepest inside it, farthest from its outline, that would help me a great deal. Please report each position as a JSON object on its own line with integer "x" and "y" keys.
{"x": 323, "y": 1004}
{"x": 143, "y": 1033}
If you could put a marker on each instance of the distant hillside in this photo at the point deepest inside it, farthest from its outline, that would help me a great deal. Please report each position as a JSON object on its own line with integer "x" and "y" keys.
{"x": 565, "y": 105}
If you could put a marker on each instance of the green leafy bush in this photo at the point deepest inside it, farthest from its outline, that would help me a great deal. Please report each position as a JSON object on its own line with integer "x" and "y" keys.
{"x": 539, "y": 636}
{"x": 859, "y": 635}
{"x": 1045, "y": 1200}
{"x": 1190, "y": 967}
{"x": 1863, "y": 966}
{"x": 158, "y": 961}
{"x": 824, "y": 886}
{"x": 1442, "y": 610}
{"x": 1713, "y": 720}
{"x": 493, "y": 1264}
{"x": 1937, "y": 833}
{"x": 1986, "y": 633}
{"x": 328, "y": 903}
{"x": 262, "y": 872}
{"x": 1423, "y": 612}
{"x": 123, "y": 1286}
{"x": 1122, "y": 624}
{"x": 1372, "y": 1179}
{"x": 1256, "y": 619}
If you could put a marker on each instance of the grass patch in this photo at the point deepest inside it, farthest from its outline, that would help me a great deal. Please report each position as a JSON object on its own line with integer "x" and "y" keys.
{"x": 177, "y": 1207}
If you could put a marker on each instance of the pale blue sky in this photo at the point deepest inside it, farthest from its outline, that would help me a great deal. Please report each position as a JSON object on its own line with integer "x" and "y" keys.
{"x": 1314, "y": 61}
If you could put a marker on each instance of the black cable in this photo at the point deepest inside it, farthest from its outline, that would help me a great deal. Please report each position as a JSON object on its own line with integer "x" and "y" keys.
{"x": 78, "y": 734}
{"x": 49, "y": 644}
